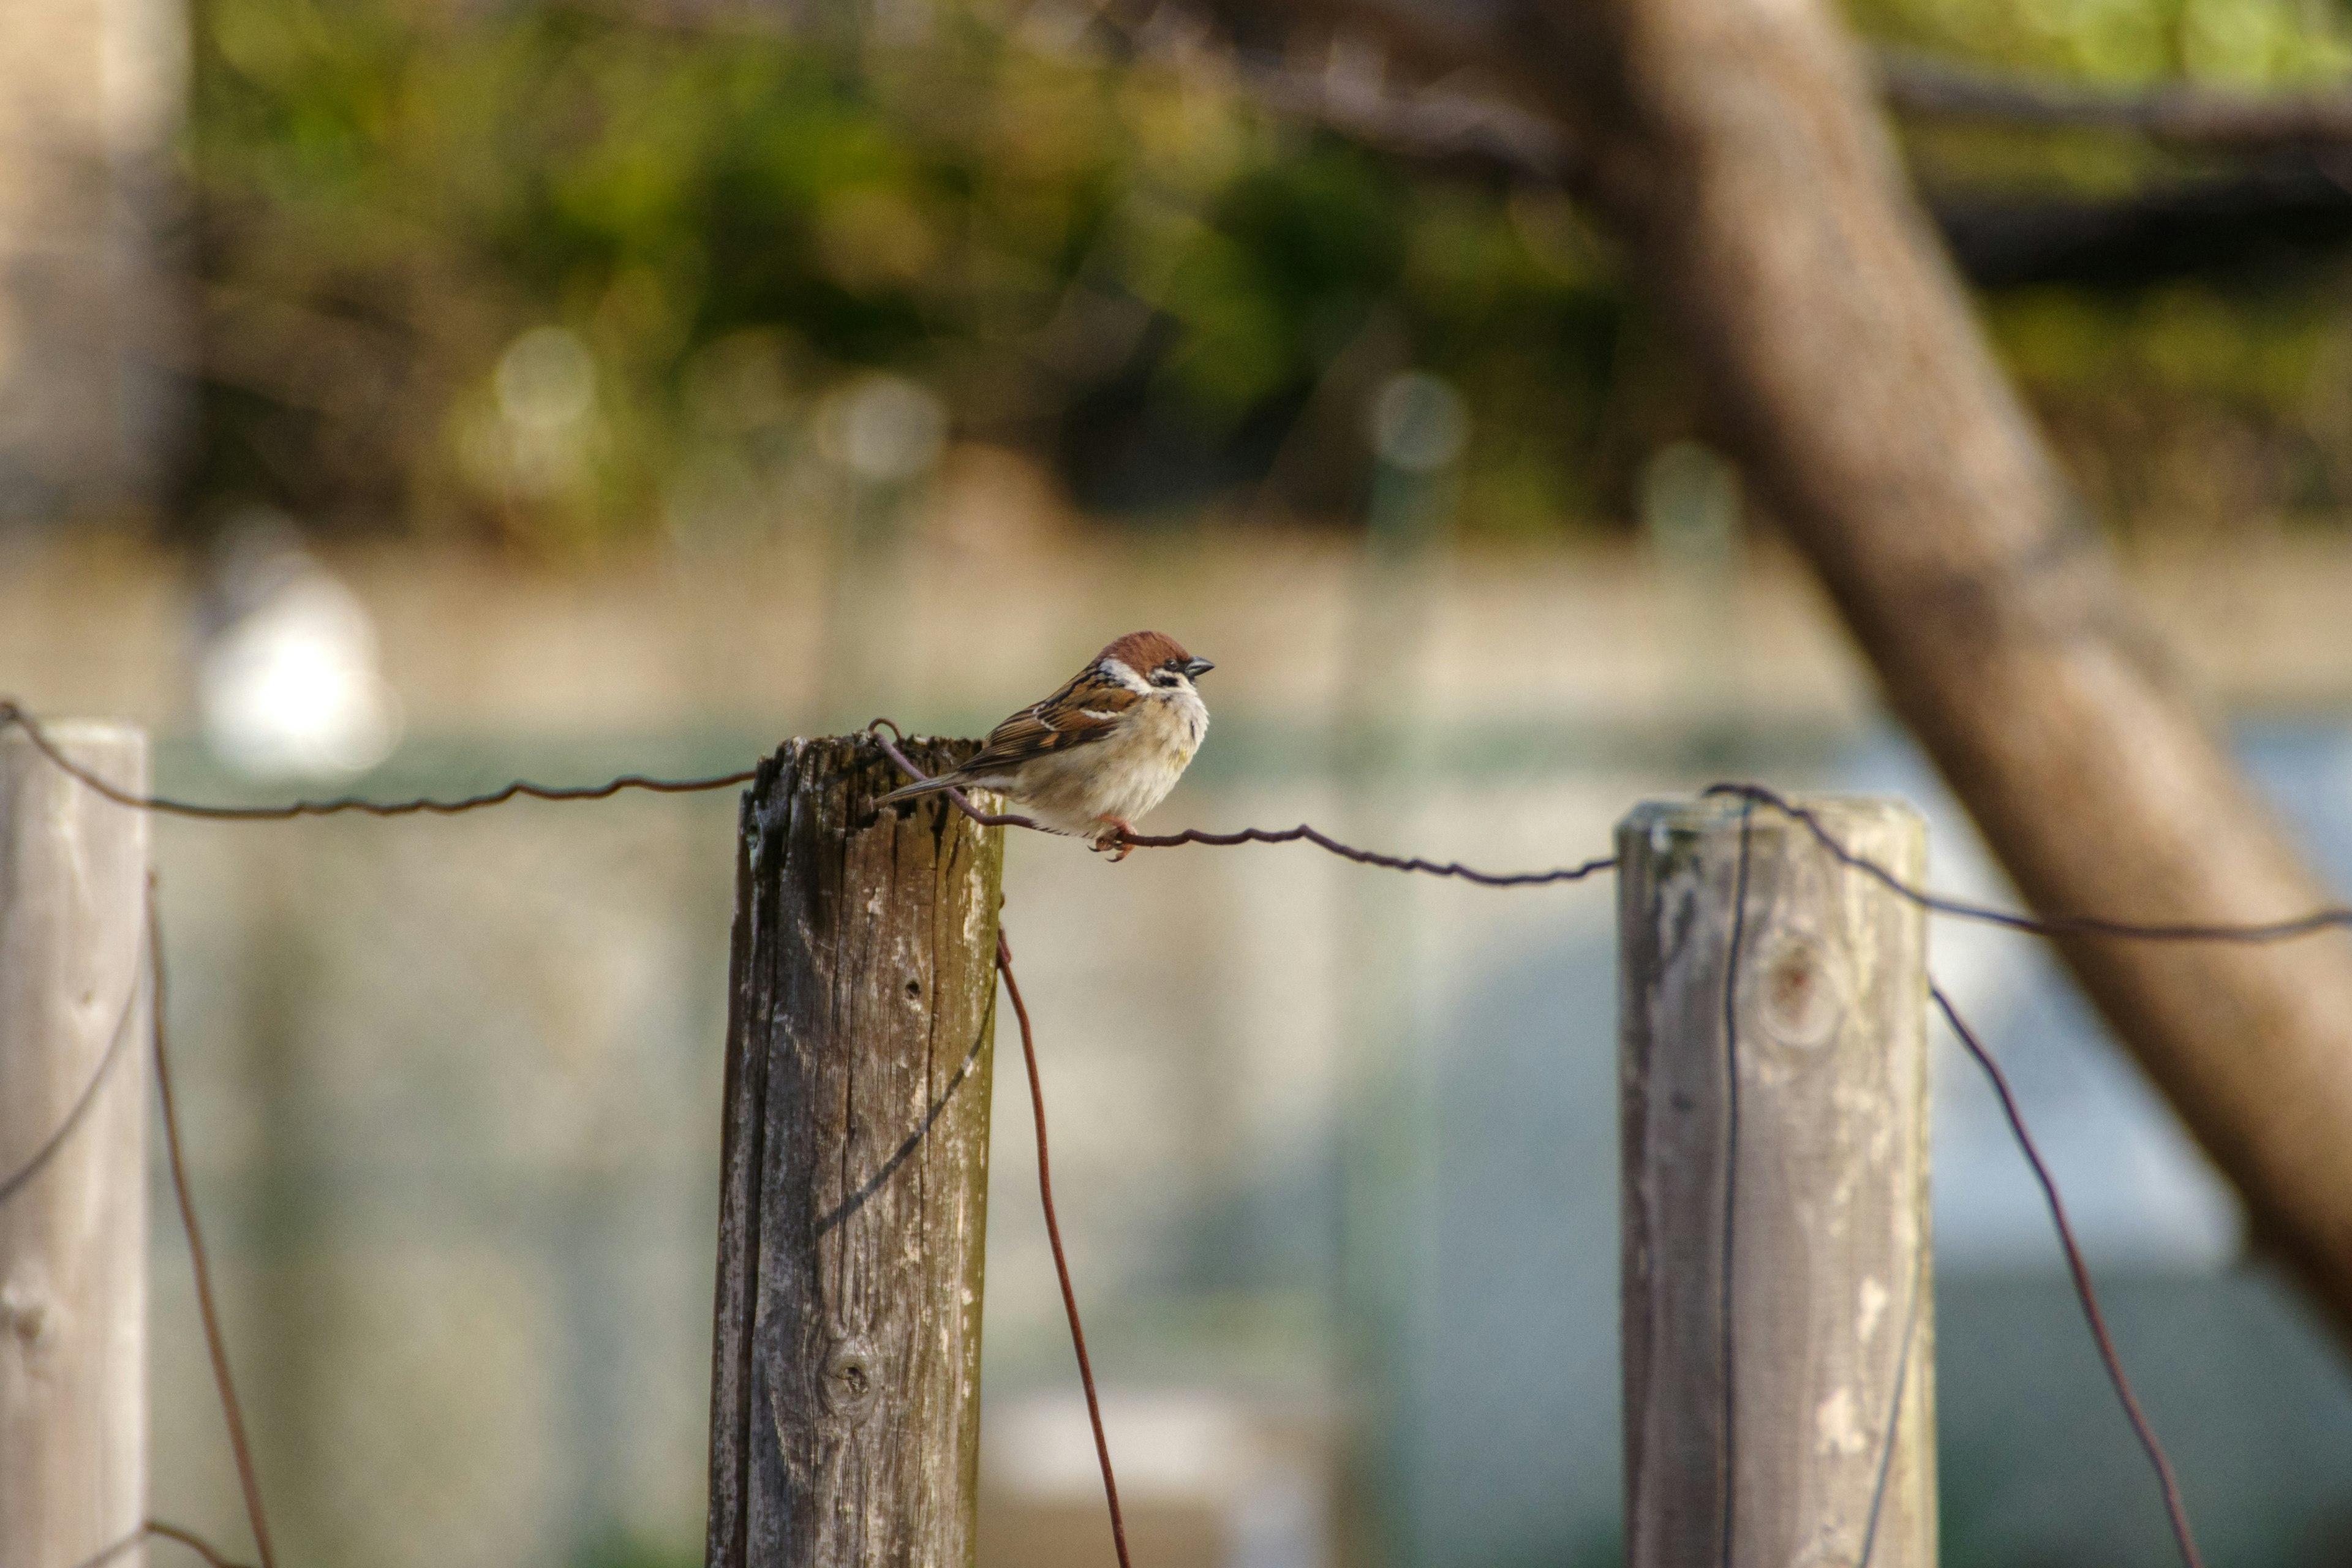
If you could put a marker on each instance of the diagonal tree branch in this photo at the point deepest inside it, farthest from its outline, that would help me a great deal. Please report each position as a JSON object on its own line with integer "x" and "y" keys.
{"x": 1736, "y": 150}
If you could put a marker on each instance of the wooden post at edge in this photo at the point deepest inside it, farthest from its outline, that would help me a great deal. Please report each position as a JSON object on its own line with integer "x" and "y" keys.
{"x": 74, "y": 1028}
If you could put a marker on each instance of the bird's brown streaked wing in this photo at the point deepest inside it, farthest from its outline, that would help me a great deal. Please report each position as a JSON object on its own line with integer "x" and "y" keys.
{"x": 1089, "y": 709}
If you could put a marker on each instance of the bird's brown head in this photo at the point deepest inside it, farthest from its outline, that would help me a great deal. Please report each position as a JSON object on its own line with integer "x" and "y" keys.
{"x": 1154, "y": 653}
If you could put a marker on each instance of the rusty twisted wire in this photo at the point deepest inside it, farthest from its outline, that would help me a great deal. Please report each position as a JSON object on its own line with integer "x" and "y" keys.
{"x": 2176, "y": 1510}
{"x": 12, "y": 713}
{"x": 1061, "y": 1261}
{"x": 1303, "y": 833}
{"x": 248, "y": 1477}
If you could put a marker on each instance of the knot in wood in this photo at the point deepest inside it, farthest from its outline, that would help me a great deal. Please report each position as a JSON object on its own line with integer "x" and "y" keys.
{"x": 26, "y": 1315}
{"x": 851, "y": 1381}
{"x": 1801, "y": 993}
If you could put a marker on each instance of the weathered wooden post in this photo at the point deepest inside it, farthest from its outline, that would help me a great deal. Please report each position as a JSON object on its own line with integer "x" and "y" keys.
{"x": 73, "y": 1153}
{"x": 1778, "y": 1323}
{"x": 844, "y": 1407}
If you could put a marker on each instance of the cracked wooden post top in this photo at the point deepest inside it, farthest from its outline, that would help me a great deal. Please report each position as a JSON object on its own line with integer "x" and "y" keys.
{"x": 1779, "y": 1311}
{"x": 845, "y": 1369}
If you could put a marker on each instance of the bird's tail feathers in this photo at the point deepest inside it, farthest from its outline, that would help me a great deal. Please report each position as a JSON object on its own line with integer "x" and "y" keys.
{"x": 923, "y": 786}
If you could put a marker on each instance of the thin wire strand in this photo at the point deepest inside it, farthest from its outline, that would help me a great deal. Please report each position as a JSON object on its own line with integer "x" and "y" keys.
{"x": 216, "y": 1343}
{"x": 1895, "y": 1406}
{"x": 1373, "y": 857}
{"x": 1053, "y": 1234}
{"x": 1303, "y": 833}
{"x": 194, "y": 1543}
{"x": 2174, "y": 1507}
{"x": 188, "y": 1538}
{"x": 2318, "y": 920}
{"x": 16, "y": 1180}
{"x": 11, "y": 714}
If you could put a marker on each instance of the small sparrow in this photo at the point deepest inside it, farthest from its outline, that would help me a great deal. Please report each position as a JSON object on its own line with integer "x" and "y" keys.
{"x": 1106, "y": 748}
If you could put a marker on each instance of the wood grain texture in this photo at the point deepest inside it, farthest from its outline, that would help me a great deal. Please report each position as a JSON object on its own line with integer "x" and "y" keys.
{"x": 1766, "y": 1404}
{"x": 73, "y": 1236}
{"x": 845, "y": 1378}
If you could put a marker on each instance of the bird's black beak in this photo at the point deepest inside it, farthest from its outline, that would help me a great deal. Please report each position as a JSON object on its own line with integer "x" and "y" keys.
{"x": 1198, "y": 666}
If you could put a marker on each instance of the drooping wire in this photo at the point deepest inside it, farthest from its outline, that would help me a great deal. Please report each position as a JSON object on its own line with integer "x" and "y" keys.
{"x": 16, "y": 1180}
{"x": 2176, "y": 1510}
{"x": 215, "y": 1341}
{"x": 1053, "y": 1234}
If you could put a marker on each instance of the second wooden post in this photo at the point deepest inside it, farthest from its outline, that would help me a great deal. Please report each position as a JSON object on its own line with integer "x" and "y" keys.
{"x": 845, "y": 1372}
{"x": 1779, "y": 1321}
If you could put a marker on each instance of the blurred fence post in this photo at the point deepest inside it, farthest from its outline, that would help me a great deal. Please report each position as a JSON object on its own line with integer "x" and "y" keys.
{"x": 73, "y": 1154}
{"x": 1779, "y": 1325}
{"x": 845, "y": 1420}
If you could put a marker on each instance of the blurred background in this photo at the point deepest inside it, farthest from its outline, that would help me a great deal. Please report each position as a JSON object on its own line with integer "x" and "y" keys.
{"x": 404, "y": 395}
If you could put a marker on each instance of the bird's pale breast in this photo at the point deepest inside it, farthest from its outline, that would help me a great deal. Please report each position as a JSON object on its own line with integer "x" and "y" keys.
{"x": 1123, "y": 776}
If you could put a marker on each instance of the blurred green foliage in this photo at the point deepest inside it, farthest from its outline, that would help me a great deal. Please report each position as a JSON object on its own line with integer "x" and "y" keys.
{"x": 2218, "y": 402}
{"x": 1136, "y": 275}
{"x": 562, "y": 273}
{"x": 2236, "y": 43}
